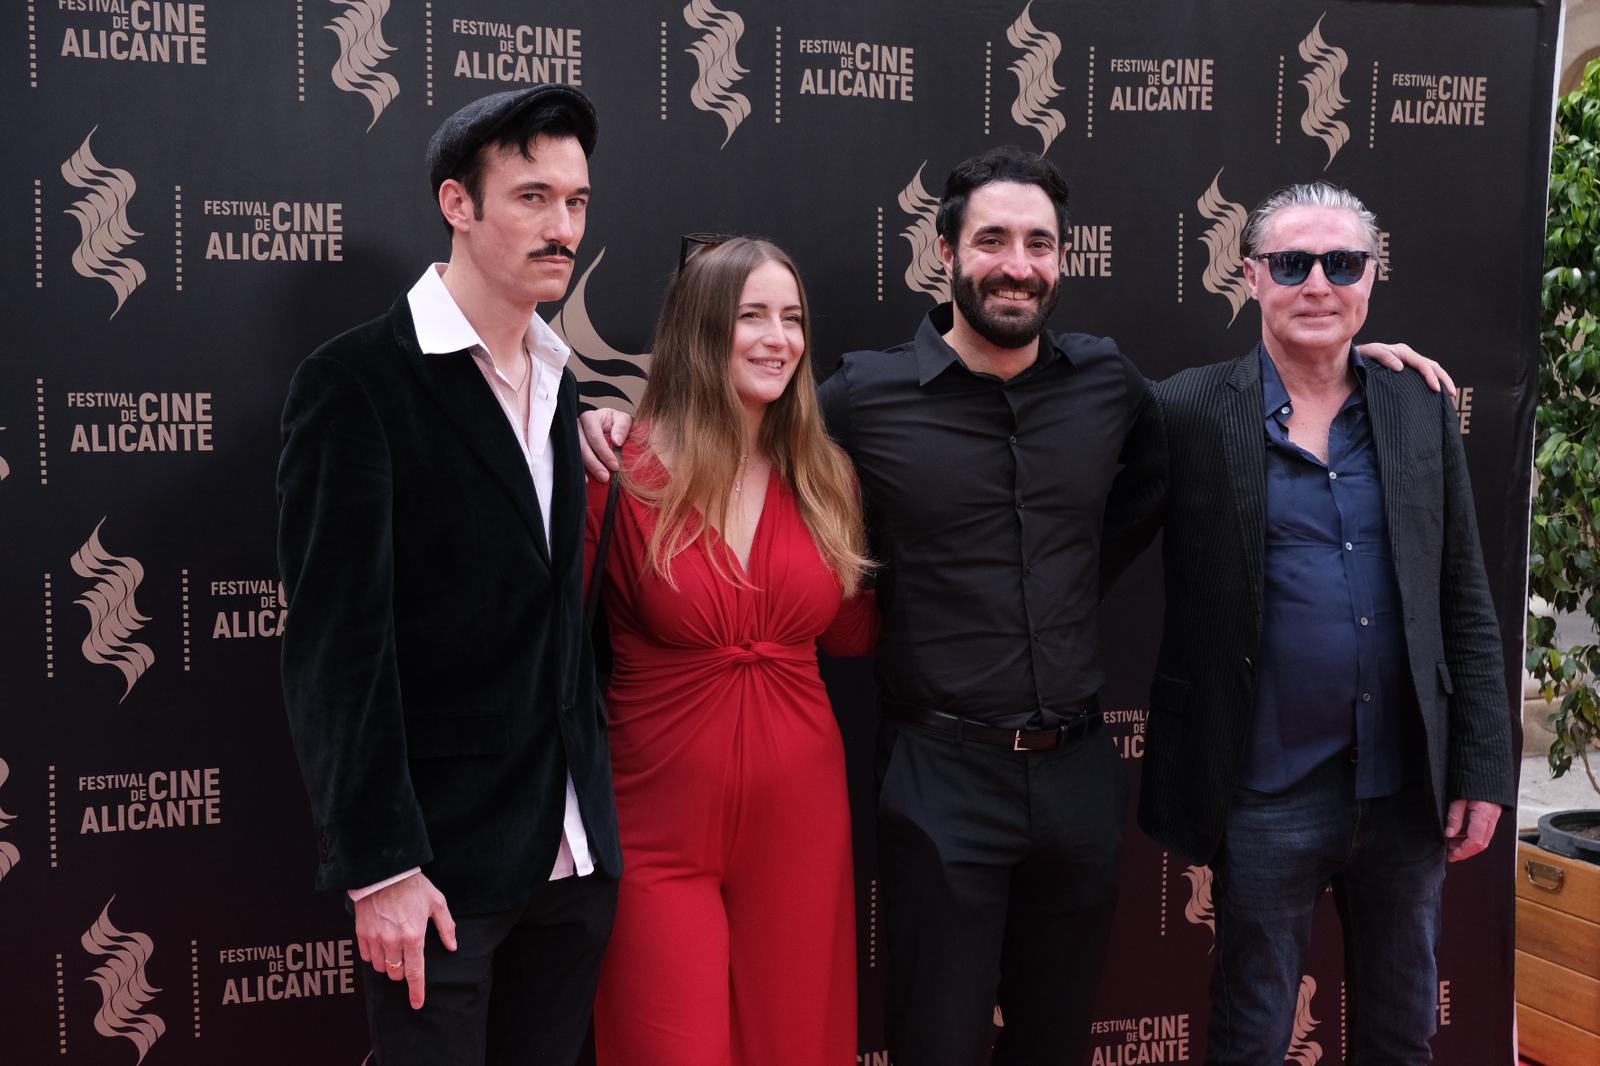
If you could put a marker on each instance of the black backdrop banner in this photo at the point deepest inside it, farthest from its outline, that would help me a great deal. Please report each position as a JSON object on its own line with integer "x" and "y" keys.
{"x": 197, "y": 194}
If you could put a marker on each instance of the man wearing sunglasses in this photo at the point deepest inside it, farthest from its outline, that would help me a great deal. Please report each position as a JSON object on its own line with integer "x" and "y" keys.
{"x": 1329, "y": 703}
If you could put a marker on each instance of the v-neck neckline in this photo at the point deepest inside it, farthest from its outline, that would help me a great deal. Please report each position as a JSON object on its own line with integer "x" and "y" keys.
{"x": 755, "y": 534}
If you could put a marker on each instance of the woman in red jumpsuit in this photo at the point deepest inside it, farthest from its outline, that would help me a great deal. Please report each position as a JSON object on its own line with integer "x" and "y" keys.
{"x": 735, "y": 936}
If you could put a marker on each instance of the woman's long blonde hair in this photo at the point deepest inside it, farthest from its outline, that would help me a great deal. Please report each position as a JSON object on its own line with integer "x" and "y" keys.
{"x": 692, "y": 413}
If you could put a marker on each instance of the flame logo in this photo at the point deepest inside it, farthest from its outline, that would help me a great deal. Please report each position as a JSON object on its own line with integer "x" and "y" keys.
{"x": 1036, "y": 78}
{"x": 1199, "y": 910}
{"x": 606, "y": 377}
{"x": 122, "y": 982}
{"x": 9, "y": 855}
{"x": 5, "y": 819}
{"x": 361, "y": 49}
{"x": 1225, "y": 271}
{"x": 1323, "y": 98}
{"x": 1304, "y": 1051}
{"x": 719, "y": 64}
{"x": 113, "y": 616}
{"x": 103, "y": 219}
{"x": 925, "y": 272}
{"x": 5, "y": 468}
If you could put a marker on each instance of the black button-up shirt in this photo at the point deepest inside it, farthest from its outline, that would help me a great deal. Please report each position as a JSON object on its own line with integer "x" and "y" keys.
{"x": 1332, "y": 671}
{"x": 985, "y": 500}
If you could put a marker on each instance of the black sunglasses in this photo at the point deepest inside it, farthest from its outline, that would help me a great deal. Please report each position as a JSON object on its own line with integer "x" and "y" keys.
{"x": 691, "y": 244}
{"x": 1293, "y": 268}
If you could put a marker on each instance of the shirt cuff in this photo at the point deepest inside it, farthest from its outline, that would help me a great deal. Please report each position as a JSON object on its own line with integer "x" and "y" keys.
{"x": 358, "y": 894}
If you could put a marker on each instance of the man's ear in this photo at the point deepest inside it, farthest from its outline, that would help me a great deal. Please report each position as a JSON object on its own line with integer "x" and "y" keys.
{"x": 456, "y": 205}
{"x": 946, "y": 253}
{"x": 1252, "y": 276}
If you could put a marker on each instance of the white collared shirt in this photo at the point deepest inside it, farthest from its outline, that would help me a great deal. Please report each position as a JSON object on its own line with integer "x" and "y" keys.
{"x": 529, "y": 407}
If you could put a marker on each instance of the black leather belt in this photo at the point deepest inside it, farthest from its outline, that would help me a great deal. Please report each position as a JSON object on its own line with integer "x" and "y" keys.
{"x": 1085, "y": 724}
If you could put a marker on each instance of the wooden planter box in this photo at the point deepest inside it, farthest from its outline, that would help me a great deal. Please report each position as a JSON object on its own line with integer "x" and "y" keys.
{"x": 1558, "y": 957}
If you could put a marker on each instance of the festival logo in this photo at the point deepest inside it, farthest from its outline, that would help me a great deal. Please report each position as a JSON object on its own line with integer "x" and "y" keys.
{"x": 1324, "y": 97}
{"x": 250, "y": 608}
{"x": 520, "y": 53}
{"x": 1135, "y": 1041}
{"x": 606, "y": 377}
{"x": 292, "y": 231}
{"x": 1171, "y": 84}
{"x": 102, "y": 217}
{"x": 1224, "y": 274}
{"x": 359, "y": 28}
{"x": 1464, "y": 408}
{"x": 9, "y": 855}
{"x": 124, "y": 988}
{"x": 1199, "y": 910}
{"x": 129, "y": 422}
{"x": 146, "y": 800}
{"x": 1037, "y": 87}
{"x": 270, "y": 973}
{"x": 1128, "y": 724}
{"x": 925, "y": 273}
{"x": 1439, "y": 99}
{"x": 135, "y": 31}
{"x": 113, "y": 616}
{"x": 1088, "y": 255}
{"x": 1304, "y": 1051}
{"x": 859, "y": 69}
{"x": 716, "y": 55}
{"x": 5, "y": 467}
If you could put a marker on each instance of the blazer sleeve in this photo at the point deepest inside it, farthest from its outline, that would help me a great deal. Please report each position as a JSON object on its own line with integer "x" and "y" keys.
{"x": 1480, "y": 759}
{"x": 341, "y": 684}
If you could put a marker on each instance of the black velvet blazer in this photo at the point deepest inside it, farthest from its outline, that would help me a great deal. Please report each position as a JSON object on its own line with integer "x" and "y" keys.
{"x": 438, "y": 681}
{"x": 1202, "y": 698}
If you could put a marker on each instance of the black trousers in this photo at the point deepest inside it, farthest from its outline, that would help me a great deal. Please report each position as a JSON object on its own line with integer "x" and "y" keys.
{"x": 518, "y": 989}
{"x": 998, "y": 878}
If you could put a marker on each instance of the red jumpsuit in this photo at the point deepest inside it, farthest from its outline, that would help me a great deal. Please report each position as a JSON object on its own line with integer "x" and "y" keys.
{"x": 734, "y": 942}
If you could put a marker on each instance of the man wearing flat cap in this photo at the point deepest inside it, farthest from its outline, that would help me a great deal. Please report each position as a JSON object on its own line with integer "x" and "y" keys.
{"x": 439, "y": 685}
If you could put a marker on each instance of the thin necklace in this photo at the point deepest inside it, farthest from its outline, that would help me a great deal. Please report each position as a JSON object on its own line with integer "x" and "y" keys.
{"x": 744, "y": 468}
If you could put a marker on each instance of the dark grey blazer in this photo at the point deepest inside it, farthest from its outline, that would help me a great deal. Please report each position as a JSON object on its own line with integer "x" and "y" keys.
{"x": 1202, "y": 698}
{"x": 437, "y": 676}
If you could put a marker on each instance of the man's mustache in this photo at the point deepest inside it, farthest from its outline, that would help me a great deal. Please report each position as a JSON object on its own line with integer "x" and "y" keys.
{"x": 553, "y": 249}
{"x": 1031, "y": 286}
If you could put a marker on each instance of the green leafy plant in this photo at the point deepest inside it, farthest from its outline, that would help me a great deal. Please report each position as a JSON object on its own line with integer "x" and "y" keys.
{"x": 1564, "y": 548}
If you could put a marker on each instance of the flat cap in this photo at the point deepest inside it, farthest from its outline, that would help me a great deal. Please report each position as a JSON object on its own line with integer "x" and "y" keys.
{"x": 464, "y": 132}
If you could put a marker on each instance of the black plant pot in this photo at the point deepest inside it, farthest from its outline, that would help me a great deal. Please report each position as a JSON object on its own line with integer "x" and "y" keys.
{"x": 1559, "y": 832}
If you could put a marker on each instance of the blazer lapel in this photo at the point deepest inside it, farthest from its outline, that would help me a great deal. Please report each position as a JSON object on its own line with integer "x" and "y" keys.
{"x": 1388, "y": 433}
{"x": 568, "y": 496}
{"x": 457, "y": 385}
{"x": 1245, "y": 449}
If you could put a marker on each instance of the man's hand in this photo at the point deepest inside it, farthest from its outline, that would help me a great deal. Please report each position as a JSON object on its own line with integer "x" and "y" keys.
{"x": 600, "y": 433}
{"x": 1468, "y": 827}
{"x": 391, "y": 924}
{"x": 1400, "y": 356}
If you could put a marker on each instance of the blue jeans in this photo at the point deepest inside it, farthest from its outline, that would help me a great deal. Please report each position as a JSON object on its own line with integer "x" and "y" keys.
{"x": 1385, "y": 859}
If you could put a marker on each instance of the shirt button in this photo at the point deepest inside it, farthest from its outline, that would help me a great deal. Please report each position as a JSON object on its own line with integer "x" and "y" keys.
{"x": 1333, "y": 475}
{"x": 1284, "y": 409}
{"x": 1013, "y": 439}
{"x": 1366, "y": 697}
{"x": 1027, "y": 568}
{"x": 1019, "y": 505}
{"x": 1349, "y": 547}
{"x": 1364, "y": 621}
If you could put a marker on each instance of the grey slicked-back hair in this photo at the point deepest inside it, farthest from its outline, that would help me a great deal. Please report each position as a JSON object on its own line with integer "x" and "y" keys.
{"x": 1311, "y": 194}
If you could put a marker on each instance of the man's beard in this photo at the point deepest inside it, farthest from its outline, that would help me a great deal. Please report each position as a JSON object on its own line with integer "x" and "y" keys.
{"x": 1015, "y": 329}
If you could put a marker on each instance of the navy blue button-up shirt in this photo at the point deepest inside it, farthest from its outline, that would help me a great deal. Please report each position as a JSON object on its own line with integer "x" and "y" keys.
{"x": 1332, "y": 675}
